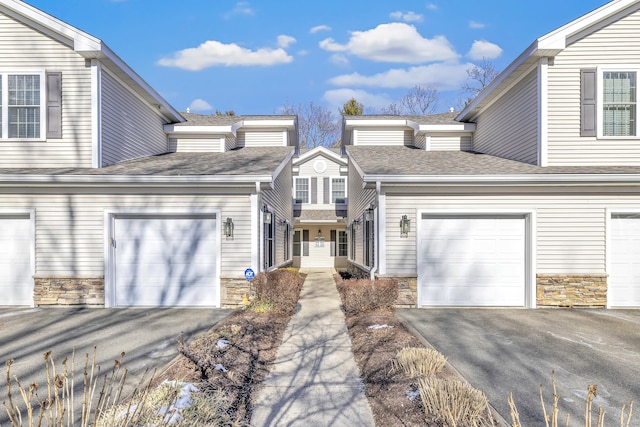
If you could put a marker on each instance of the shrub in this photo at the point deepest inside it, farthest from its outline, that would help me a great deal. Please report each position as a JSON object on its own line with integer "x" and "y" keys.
{"x": 277, "y": 291}
{"x": 362, "y": 295}
{"x": 419, "y": 362}
{"x": 454, "y": 402}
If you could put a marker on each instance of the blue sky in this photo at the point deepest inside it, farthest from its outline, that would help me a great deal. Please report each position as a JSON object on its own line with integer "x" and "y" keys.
{"x": 255, "y": 56}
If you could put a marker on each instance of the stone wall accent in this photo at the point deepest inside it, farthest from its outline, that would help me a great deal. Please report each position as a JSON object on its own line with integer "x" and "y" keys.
{"x": 407, "y": 292}
{"x": 68, "y": 291}
{"x": 357, "y": 272}
{"x": 571, "y": 290}
{"x": 231, "y": 292}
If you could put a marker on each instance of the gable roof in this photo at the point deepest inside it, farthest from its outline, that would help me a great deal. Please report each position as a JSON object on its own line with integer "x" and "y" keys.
{"x": 548, "y": 45}
{"x": 88, "y": 47}
{"x": 308, "y": 154}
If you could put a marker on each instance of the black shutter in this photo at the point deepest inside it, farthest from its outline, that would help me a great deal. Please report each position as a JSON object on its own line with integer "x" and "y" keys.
{"x": 588, "y": 99}
{"x": 54, "y": 105}
{"x": 305, "y": 242}
{"x": 314, "y": 190}
{"x": 326, "y": 191}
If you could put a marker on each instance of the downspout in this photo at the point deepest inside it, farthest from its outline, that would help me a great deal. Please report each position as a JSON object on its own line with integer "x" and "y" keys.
{"x": 376, "y": 216}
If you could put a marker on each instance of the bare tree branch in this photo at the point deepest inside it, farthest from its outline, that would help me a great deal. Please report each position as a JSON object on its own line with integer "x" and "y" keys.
{"x": 317, "y": 126}
{"x": 420, "y": 100}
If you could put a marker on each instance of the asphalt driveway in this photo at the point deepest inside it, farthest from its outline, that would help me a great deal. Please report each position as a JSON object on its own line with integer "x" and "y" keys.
{"x": 500, "y": 351}
{"x": 148, "y": 336}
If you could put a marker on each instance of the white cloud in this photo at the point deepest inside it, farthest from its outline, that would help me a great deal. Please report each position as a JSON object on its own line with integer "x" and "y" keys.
{"x": 444, "y": 76}
{"x": 213, "y": 53}
{"x": 431, "y": 6}
{"x": 241, "y": 8}
{"x": 394, "y": 42}
{"x": 319, "y": 28}
{"x": 406, "y": 16}
{"x": 339, "y": 59}
{"x": 476, "y": 25}
{"x": 200, "y": 105}
{"x": 336, "y": 98}
{"x": 484, "y": 49}
{"x": 285, "y": 41}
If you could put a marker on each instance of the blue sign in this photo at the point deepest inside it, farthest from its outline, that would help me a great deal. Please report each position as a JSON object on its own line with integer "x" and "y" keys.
{"x": 249, "y": 274}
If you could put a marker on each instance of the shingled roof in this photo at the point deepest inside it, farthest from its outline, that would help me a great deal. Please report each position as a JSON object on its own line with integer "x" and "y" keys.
{"x": 410, "y": 161}
{"x": 248, "y": 161}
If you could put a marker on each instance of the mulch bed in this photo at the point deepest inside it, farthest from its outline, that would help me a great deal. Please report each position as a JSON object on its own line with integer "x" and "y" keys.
{"x": 253, "y": 344}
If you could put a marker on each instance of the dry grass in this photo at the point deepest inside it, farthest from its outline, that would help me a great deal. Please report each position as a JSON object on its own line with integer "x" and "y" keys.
{"x": 419, "y": 362}
{"x": 552, "y": 416}
{"x": 454, "y": 402}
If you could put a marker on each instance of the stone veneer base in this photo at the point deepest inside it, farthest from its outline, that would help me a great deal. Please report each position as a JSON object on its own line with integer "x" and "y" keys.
{"x": 571, "y": 290}
{"x": 68, "y": 291}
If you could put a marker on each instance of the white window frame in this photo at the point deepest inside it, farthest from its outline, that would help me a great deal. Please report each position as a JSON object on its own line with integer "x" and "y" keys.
{"x": 331, "y": 189}
{"x": 342, "y": 244}
{"x": 600, "y": 100}
{"x": 295, "y": 190}
{"x": 5, "y": 73}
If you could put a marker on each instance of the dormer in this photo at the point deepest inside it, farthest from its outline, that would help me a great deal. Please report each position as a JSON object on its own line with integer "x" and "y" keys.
{"x": 212, "y": 133}
{"x": 437, "y": 132}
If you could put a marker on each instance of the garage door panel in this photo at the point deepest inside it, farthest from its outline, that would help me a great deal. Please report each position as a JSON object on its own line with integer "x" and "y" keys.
{"x": 16, "y": 283}
{"x": 473, "y": 261}
{"x": 624, "y": 277}
{"x": 166, "y": 261}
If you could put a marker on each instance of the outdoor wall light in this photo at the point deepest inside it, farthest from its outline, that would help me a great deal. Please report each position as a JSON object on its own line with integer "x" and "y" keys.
{"x": 368, "y": 215}
{"x": 266, "y": 217}
{"x": 282, "y": 222}
{"x": 405, "y": 226}
{"x": 228, "y": 228}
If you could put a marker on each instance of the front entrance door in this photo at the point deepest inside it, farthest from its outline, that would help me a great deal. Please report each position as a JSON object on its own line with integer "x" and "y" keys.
{"x": 319, "y": 247}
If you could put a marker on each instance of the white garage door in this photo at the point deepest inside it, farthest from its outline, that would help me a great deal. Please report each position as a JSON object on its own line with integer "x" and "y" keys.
{"x": 624, "y": 277}
{"x": 472, "y": 261}
{"x": 166, "y": 261}
{"x": 16, "y": 282}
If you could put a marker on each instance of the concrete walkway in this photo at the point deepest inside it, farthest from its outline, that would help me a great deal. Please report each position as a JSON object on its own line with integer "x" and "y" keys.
{"x": 315, "y": 380}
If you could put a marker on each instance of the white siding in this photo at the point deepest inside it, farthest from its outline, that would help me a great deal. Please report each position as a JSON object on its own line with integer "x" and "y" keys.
{"x": 331, "y": 170}
{"x": 22, "y": 48}
{"x": 359, "y": 200}
{"x": 617, "y": 44}
{"x": 280, "y": 201}
{"x": 508, "y": 128}
{"x": 450, "y": 142}
{"x": 262, "y": 138}
{"x": 70, "y": 228}
{"x": 570, "y": 228}
{"x": 420, "y": 141}
{"x": 383, "y": 136}
{"x": 197, "y": 144}
{"x": 230, "y": 142}
{"x": 130, "y": 128}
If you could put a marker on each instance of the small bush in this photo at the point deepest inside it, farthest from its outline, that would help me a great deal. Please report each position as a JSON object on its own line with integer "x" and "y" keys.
{"x": 419, "y": 362}
{"x": 363, "y": 295}
{"x": 454, "y": 402}
{"x": 277, "y": 290}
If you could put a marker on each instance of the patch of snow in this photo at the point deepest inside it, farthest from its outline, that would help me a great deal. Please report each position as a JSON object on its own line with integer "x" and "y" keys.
{"x": 222, "y": 343}
{"x": 173, "y": 413}
{"x": 219, "y": 367}
{"x": 379, "y": 326}
{"x": 412, "y": 394}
